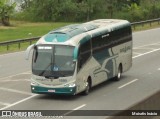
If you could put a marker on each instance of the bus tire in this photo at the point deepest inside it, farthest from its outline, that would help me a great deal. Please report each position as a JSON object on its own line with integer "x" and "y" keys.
{"x": 88, "y": 87}
{"x": 118, "y": 77}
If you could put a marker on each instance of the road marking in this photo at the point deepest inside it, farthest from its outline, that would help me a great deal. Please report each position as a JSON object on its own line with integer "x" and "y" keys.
{"x": 14, "y": 75}
{"x": 74, "y": 109}
{"x": 146, "y": 45}
{"x": 144, "y": 48}
{"x": 6, "y": 104}
{"x": 15, "y": 91}
{"x": 159, "y": 69}
{"x": 146, "y": 53}
{"x": 146, "y": 30}
{"x": 12, "y": 53}
{"x": 13, "y": 80}
{"x": 157, "y": 44}
{"x": 26, "y": 72}
{"x": 25, "y": 99}
{"x": 127, "y": 83}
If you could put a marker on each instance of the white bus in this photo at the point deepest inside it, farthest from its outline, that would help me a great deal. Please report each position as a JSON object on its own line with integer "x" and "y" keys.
{"x": 74, "y": 58}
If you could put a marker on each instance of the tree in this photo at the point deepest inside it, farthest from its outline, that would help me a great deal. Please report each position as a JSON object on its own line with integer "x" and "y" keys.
{"x": 6, "y": 9}
{"x": 86, "y": 10}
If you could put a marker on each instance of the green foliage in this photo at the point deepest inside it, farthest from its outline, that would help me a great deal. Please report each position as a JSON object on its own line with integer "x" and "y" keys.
{"x": 85, "y": 10}
{"x": 134, "y": 12}
{"x": 6, "y": 9}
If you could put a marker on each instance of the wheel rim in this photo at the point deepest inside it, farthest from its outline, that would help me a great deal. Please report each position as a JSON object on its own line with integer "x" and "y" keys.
{"x": 119, "y": 74}
{"x": 87, "y": 87}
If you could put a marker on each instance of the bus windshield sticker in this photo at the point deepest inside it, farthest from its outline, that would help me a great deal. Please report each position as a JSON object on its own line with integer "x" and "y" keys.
{"x": 44, "y": 47}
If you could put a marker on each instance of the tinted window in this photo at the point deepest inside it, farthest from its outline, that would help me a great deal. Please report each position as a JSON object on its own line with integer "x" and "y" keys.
{"x": 84, "y": 53}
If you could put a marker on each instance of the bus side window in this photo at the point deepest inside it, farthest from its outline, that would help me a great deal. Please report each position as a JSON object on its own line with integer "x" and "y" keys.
{"x": 84, "y": 53}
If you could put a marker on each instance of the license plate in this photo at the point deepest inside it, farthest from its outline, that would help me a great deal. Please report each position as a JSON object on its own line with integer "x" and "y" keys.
{"x": 51, "y": 91}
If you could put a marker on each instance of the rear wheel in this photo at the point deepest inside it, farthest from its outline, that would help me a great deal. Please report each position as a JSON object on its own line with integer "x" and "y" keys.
{"x": 118, "y": 77}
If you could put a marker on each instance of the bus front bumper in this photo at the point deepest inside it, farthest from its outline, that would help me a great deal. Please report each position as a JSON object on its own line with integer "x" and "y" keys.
{"x": 46, "y": 90}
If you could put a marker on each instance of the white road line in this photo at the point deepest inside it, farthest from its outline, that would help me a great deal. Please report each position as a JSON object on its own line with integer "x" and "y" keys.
{"x": 159, "y": 69}
{"x": 74, "y": 109}
{"x": 127, "y": 83}
{"x": 25, "y": 99}
{"x": 146, "y": 30}
{"x": 19, "y": 80}
{"x": 15, "y": 91}
{"x": 6, "y": 104}
{"x": 146, "y": 53}
{"x": 157, "y": 44}
{"x": 14, "y": 75}
{"x": 12, "y": 53}
{"x": 146, "y": 45}
{"x": 144, "y": 48}
{"x": 26, "y": 72}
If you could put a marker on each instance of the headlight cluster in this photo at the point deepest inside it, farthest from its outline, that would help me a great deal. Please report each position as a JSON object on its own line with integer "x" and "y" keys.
{"x": 34, "y": 83}
{"x": 70, "y": 85}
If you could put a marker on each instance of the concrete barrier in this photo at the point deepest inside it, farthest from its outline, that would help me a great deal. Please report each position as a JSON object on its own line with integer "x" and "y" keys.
{"x": 143, "y": 109}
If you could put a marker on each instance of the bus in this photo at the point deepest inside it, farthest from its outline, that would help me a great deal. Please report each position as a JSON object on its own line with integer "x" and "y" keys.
{"x": 74, "y": 58}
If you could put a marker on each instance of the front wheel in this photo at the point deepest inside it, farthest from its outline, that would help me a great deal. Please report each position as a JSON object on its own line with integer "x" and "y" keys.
{"x": 118, "y": 77}
{"x": 88, "y": 86}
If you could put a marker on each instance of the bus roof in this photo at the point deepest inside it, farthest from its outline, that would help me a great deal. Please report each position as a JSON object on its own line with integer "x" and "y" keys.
{"x": 73, "y": 34}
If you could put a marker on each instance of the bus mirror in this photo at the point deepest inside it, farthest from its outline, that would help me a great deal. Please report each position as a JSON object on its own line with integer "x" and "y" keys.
{"x": 74, "y": 61}
{"x": 27, "y": 52}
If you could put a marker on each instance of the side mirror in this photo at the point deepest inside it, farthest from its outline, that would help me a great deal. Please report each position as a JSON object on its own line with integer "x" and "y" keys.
{"x": 27, "y": 52}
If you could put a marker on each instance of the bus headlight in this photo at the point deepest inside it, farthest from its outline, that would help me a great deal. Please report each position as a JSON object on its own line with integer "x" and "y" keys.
{"x": 70, "y": 85}
{"x": 34, "y": 83}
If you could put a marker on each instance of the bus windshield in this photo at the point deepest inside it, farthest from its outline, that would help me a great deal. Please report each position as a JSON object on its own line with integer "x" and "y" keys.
{"x": 53, "y": 61}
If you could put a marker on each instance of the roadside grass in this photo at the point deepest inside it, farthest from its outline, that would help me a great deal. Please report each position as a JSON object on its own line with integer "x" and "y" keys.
{"x": 21, "y": 29}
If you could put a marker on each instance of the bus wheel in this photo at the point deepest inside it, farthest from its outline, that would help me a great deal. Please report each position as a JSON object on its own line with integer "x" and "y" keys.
{"x": 117, "y": 78}
{"x": 88, "y": 86}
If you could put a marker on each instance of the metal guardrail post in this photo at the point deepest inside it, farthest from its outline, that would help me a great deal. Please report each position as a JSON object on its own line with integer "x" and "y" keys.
{"x": 19, "y": 45}
{"x": 142, "y": 24}
{"x": 7, "y": 47}
{"x": 134, "y": 26}
{"x": 30, "y": 42}
{"x": 150, "y": 23}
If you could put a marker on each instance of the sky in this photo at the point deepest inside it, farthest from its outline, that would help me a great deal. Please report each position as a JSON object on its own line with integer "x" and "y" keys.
{"x": 18, "y": 3}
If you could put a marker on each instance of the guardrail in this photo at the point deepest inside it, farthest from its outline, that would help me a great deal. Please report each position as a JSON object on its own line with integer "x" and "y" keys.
{"x": 30, "y": 40}
{"x": 142, "y": 23}
{"x": 19, "y": 42}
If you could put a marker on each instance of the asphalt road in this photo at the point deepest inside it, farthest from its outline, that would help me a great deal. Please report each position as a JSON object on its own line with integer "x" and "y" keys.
{"x": 141, "y": 81}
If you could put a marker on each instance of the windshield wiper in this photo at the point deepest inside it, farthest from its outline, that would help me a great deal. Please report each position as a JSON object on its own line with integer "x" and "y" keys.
{"x": 41, "y": 74}
{"x": 60, "y": 74}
